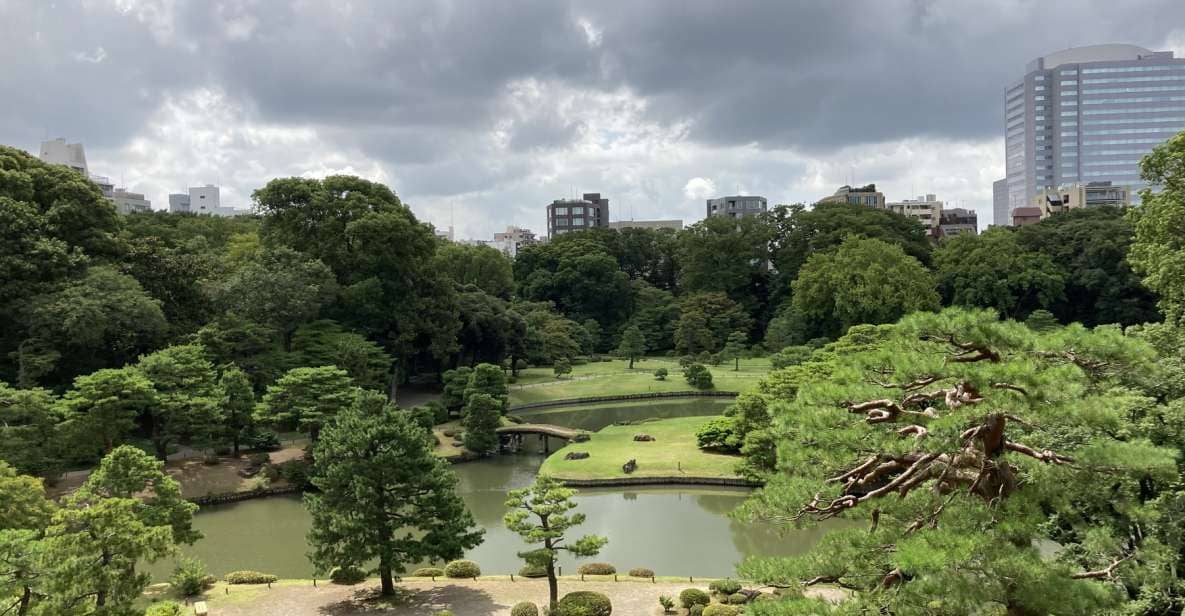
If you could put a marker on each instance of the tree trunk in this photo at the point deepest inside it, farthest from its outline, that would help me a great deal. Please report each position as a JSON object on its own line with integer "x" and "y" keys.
{"x": 26, "y": 598}
{"x": 738, "y": 365}
{"x": 162, "y": 449}
{"x": 388, "y": 587}
{"x": 314, "y": 433}
{"x": 234, "y": 443}
{"x": 553, "y": 587}
{"x": 631, "y": 363}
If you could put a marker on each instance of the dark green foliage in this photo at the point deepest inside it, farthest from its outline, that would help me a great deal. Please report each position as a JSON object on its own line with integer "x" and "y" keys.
{"x": 693, "y": 596}
{"x": 307, "y": 398}
{"x": 736, "y": 598}
{"x": 187, "y": 397}
{"x": 166, "y": 608}
{"x": 661, "y": 374}
{"x": 696, "y": 610}
{"x": 584, "y": 602}
{"x": 561, "y": 367}
{"x": 995, "y": 270}
{"x": 1041, "y": 320}
{"x": 326, "y": 343}
{"x": 861, "y": 281}
{"x": 455, "y": 382}
{"x": 484, "y": 267}
{"x": 524, "y": 609}
{"x": 698, "y": 376}
{"x": 532, "y": 571}
{"x": 735, "y": 347}
{"x": 462, "y": 569}
{"x": 296, "y": 472}
{"x": 391, "y": 505}
{"x": 29, "y": 436}
{"x": 261, "y": 439}
{"x": 788, "y": 328}
{"x": 719, "y": 434}
{"x": 347, "y": 576}
{"x": 729, "y": 256}
{"x": 597, "y": 569}
{"x": 655, "y": 313}
{"x": 428, "y": 572}
{"x": 706, "y": 320}
{"x": 278, "y": 287}
{"x": 102, "y": 407}
{"x": 1156, "y": 250}
{"x": 633, "y": 345}
{"x": 238, "y": 405}
{"x": 719, "y": 609}
{"x": 189, "y": 577}
{"x": 490, "y": 380}
{"x": 248, "y": 577}
{"x": 480, "y": 419}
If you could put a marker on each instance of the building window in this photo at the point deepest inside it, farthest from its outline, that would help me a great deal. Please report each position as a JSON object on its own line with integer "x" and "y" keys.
{"x": 561, "y": 211}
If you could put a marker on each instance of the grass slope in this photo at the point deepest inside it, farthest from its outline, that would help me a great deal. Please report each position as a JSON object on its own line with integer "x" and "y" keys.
{"x": 615, "y": 378}
{"x": 672, "y": 454}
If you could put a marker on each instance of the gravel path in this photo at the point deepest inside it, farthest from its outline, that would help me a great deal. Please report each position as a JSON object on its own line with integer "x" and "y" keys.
{"x": 480, "y": 598}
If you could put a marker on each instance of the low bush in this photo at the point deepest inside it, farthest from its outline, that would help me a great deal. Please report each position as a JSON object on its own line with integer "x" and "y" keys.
{"x": 724, "y": 587}
{"x": 462, "y": 569}
{"x": 696, "y": 610}
{"x": 444, "y": 613}
{"x": 661, "y": 374}
{"x": 641, "y": 572}
{"x": 533, "y": 571}
{"x": 790, "y": 356}
{"x": 719, "y": 609}
{"x": 597, "y": 569}
{"x": 584, "y": 603}
{"x": 428, "y": 572}
{"x": 423, "y": 417}
{"x": 258, "y": 459}
{"x": 347, "y": 576}
{"x": 524, "y": 608}
{"x": 189, "y": 577}
{"x": 693, "y": 596}
{"x": 166, "y": 608}
{"x": 737, "y": 598}
{"x": 561, "y": 367}
{"x": 296, "y": 472}
{"x": 698, "y": 376}
{"x": 686, "y": 360}
{"x": 667, "y": 603}
{"x": 249, "y": 577}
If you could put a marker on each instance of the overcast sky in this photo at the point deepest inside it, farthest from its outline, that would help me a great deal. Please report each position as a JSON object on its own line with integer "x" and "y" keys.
{"x": 483, "y": 111}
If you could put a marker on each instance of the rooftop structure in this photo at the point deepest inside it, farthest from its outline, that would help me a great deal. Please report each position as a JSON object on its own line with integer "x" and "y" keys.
{"x": 863, "y": 195}
{"x": 567, "y": 215}
{"x": 738, "y": 206}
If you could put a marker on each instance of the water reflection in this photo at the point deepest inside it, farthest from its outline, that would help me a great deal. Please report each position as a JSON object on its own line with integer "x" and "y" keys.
{"x": 673, "y": 530}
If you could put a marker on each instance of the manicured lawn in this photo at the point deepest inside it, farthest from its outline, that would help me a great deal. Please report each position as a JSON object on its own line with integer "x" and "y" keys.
{"x": 673, "y": 453}
{"x": 614, "y": 378}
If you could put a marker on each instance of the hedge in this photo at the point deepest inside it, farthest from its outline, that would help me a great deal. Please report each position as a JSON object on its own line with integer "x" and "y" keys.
{"x": 347, "y": 576}
{"x": 428, "y": 572}
{"x": 524, "y": 608}
{"x": 249, "y": 577}
{"x": 693, "y": 596}
{"x": 462, "y": 569}
{"x": 724, "y": 587}
{"x": 533, "y": 571}
{"x": 597, "y": 569}
{"x": 641, "y": 572}
{"x": 717, "y": 609}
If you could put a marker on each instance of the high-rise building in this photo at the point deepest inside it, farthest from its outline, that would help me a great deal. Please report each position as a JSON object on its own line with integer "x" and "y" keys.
{"x": 1089, "y": 114}
{"x": 1000, "y": 203}
{"x": 566, "y": 215}
{"x": 58, "y": 152}
{"x": 926, "y": 209}
{"x": 738, "y": 206}
{"x": 863, "y": 195}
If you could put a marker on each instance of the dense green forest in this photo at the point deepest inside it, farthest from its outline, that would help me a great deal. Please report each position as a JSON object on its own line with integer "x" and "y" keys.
{"x": 969, "y": 398}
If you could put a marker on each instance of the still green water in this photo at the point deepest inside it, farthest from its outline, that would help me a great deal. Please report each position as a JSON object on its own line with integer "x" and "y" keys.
{"x": 672, "y": 530}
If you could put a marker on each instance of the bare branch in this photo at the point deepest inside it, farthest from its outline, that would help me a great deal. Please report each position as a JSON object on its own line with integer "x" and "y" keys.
{"x": 1107, "y": 573}
{"x": 918, "y": 432}
{"x": 1046, "y": 455}
{"x": 1010, "y": 387}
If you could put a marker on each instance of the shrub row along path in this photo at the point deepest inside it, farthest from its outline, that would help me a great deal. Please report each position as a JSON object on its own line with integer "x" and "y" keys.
{"x": 493, "y": 597}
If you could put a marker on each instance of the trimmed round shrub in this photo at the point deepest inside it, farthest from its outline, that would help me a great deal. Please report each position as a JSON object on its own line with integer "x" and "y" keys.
{"x": 584, "y": 603}
{"x": 525, "y": 608}
{"x": 249, "y": 577}
{"x": 462, "y": 569}
{"x": 428, "y": 572}
{"x": 724, "y": 587}
{"x": 166, "y": 608}
{"x": 696, "y": 610}
{"x": 347, "y": 576}
{"x": 737, "y": 598}
{"x": 698, "y": 376}
{"x": 693, "y": 596}
{"x": 533, "y": 571}
{"x": 597, "y": 569}
{"x": 717, "y": 609}
{"x": 641, "y": 572}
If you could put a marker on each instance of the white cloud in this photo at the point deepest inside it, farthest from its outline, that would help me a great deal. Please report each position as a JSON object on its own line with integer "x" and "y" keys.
{"x": 94, "y": 57}
{"x": 1175, "y": 42}
{"x": 699, "y": 189}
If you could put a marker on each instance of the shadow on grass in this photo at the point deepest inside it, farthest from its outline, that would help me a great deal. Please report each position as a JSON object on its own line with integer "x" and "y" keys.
{"x": 459, "y": 599}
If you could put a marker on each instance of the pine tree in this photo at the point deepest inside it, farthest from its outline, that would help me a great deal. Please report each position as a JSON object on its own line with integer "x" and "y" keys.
{"x": 482, "y": 416}
{"x": 382, "y": 496}
{"x": 633, "y": 344}
{"x": 540, "y": 515}
{"x": 307, "y": 398}
{"x": 734, "y": 348}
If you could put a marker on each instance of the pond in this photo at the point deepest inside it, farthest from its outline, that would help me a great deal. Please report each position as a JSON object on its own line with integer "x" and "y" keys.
{"x": 672, "y": 530}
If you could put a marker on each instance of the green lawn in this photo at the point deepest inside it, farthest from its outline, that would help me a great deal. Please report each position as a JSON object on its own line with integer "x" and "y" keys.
{"x": 613, "y": 378}
{"x": 673, "y": 453}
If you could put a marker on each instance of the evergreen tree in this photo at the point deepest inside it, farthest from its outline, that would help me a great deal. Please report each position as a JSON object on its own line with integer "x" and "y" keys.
{"x": 633, "y": 344}
{"x": 238, "y": 404}
{"x": 540, "y": 514}
{"x": 103, "y": 406}
{"x": 490, "y": 380}
{"x": 734, "y": 348}
{"x": 482, "y": 416}
{"x": 382, "y": 496}
{"x": 967, "y": 442}
{"x": 307, "y": 398}
{"x": 187, "y": 396}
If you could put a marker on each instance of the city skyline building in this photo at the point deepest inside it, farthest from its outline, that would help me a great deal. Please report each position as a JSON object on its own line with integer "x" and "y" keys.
{"x": 566, "y": 215}
{"x": 862, "y": 195}
{"x": 926, "y": 209}
{"x": 201, "y": 200}
{"x": 1088, "y": 114}
{"x": 58, "y": 152}
{"x": 737, "y": 206}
